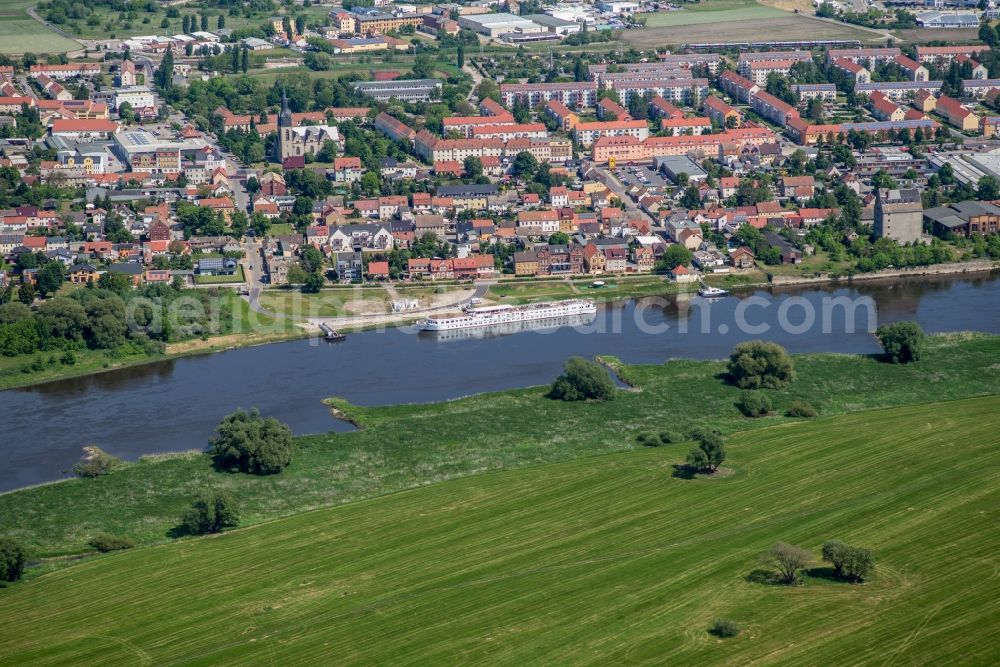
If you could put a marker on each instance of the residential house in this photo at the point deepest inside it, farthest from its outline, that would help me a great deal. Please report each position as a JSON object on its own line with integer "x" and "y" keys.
{"x": 593, "y": 259}
{"x": 742, "y": 258}
{"x": 378, "y": 270}
{"x": 81, "y": 274}
{"x": 798, "y": 187}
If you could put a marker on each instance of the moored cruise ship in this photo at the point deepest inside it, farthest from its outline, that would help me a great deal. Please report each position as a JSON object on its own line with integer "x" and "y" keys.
{"x": 493, "y": 315}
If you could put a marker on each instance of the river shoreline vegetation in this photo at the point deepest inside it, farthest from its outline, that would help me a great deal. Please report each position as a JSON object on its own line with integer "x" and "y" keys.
{"x": 108, "y": 324}
{"x": 404, "y": 446}
{"x": 228, "y": 322}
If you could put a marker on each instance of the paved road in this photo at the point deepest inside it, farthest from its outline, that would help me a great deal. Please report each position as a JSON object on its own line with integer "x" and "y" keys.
{"x": 253, "y": 272}
{"x": 49, "y": 26}
{"x": 477, "y": 78}
{"x": 610, "y": 180}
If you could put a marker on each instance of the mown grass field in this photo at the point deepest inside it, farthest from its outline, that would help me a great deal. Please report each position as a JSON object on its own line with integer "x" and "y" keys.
{"x": 786, "y": 27}
{"x": 603, "y": 560}
{"x": 406, "y": 446}
{"x": 19, "y": 33}
{"x": 715, "y": 11}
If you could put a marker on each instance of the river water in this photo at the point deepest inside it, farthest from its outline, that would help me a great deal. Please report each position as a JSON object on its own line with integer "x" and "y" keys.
{"x": 175, "y": 405}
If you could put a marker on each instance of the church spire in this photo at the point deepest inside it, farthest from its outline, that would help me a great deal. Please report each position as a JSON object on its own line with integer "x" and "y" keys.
{"x": 285, "y": 118}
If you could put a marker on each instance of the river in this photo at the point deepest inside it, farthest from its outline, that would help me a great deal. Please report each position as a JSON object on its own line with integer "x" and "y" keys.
{"x": 175, "y": 405}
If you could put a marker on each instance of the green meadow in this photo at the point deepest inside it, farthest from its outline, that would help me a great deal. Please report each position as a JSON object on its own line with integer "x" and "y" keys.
{"x": 19, "y": 33}
{"x": 605, "y": 559}
{"x": 407, "y": 446}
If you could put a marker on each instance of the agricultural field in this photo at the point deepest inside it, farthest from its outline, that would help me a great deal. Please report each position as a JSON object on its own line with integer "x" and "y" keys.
{"x": 611, "y": 559}
{"x": 786, "y": 27}
{"x": 950, "y": 35}
{"x": 714, "y": 11}
{"x": 19, "y": 33}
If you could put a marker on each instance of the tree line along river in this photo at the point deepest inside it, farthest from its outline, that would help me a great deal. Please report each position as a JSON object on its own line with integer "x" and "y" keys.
{"x": 175, "y": 405}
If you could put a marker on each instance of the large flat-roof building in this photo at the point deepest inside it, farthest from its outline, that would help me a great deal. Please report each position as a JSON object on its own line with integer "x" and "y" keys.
{"x": 574, "y": 94}
{"x": 554, "y": 24}
{"x": 494, "y": 25}
{"x": 406, "y": 90}
{"x": 143, "y": 151}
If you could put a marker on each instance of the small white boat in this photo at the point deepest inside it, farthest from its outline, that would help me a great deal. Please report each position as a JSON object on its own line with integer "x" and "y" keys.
{"x": 712, "y": 292}
{"x": 597, "y": 284}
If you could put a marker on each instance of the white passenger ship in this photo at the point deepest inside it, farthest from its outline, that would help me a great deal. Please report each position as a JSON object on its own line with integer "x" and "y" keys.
{"x": 493, "y": 315}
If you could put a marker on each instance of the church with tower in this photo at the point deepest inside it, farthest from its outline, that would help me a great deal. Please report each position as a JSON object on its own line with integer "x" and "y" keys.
{"x": 297, "y": 140}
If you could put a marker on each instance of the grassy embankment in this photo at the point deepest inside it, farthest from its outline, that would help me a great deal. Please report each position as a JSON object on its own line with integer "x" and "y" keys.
{"x": 355, "y": 300}
{"x": 605, "y": 559}
{"x": 402, "y": 447}
{"x": 616, "y": 287}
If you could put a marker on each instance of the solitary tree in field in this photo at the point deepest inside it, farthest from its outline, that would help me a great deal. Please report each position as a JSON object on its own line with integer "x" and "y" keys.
{"x": 758, "y": 364}
{"x": 788, "y": 559}
{"x": 710, "y": 452}
{"x": 902, "y": 342}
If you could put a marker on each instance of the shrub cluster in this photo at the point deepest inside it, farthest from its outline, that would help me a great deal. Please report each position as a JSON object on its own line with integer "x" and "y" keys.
{"x": 652, "y": 440}
{"x": 801, "y": 409}
{"x": 96, "y": 463}
{"x": 248, "y": 442}
{"x": 849, "y": 563}
{"x": 902, "y": 342}
{"x": 210, "y": 513}
{"x": 757, "y": 364}
{"x": 724, "y": 628}
{"x": 753, "y": 404}
{"x": 104, "y": 543}
{"x": 582, "y": 380}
